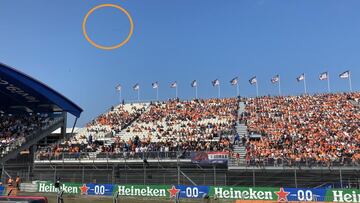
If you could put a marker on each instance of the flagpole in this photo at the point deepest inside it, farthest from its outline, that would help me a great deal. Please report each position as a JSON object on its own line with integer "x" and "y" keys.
{"x": 328, "y": 81}
{"x": 139, "y": 94}
{"x": 176, "y": 92}
{"x": 237, "y": 89}
{"x": 257, "y": 89}
{"x": 219, "y": 91}
{"x": 350, "y": 85}
{"x": 157, "y": 94}
{"x": 279, "y": 86}
{"x": 196, "y": 93}
{"x": 120, "y": 96}
{"x": 305, "y": 89}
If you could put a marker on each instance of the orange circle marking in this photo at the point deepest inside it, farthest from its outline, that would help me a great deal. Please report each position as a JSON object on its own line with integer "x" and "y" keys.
{"x": 108, "y": 47}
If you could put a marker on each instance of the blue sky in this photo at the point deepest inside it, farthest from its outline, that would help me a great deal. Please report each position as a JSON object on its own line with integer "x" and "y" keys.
{"x": 180, "y": 40}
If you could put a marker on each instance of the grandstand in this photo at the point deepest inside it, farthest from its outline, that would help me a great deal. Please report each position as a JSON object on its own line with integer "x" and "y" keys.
{"x": 311, "y": 130}
{"x": 264, "y": 137}
{"x": 30, "y": 111}
{"x": 297, "y": 141}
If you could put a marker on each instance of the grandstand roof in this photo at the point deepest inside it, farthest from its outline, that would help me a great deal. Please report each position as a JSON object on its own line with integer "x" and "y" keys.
{"x": 22, "y": 93}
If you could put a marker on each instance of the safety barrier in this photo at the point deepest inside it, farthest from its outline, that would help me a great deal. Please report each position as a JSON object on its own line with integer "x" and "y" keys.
{"x": 253, "y": 194}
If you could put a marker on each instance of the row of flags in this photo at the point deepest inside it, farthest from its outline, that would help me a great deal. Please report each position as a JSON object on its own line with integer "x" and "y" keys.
{"x": 155, "y": 85}
{"x": 252, "y": 81}
{"x": 325, "y": 76}
{"x": 322, "y": 76}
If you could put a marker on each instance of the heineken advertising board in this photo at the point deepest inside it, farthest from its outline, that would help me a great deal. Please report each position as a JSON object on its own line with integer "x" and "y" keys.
{"x": 163, "y": 191}
{"x": 99, "y": 189}
{"x": 193, "y": 192}
{"x": 160, "y": 191}
{"x": 244, "y": 193}
{"x": 338, "y": 195}
{"x": 306, "y": 194}
{"x": 182, "y": 191}
{"x": 68, "y": 188}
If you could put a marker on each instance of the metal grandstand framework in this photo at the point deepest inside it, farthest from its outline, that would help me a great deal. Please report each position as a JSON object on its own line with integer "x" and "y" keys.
{"x": 23, "y": 95}
{"x": 172, "y": 169}
{"x": 187, "y": 173}
{"x": 20, "y": 93}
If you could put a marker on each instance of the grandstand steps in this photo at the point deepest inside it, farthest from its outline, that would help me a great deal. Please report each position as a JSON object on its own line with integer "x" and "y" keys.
{"x": 242, "y": 106}
{"x": 241, "y": 150}
{"x": 241, "y": 129}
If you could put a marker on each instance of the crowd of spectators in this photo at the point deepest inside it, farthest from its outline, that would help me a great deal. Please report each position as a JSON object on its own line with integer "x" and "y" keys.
{"x": 117, "y": 118}
{"x": 99, "y": 133}
{"x": 197, "y": 125}
{"x": 314, "y": 129}
{"x": 15, "y": 128}
{"x": 195, "y": 120}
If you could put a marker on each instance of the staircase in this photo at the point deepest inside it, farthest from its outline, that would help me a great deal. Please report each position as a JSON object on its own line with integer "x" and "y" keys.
{"x": 241, "y": 129}
{"x": 242, "y": 151}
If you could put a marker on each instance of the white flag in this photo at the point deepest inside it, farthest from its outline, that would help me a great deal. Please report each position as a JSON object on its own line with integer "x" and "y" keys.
{"x": 118, "y": 88}
{"x": 323, "y": 76}
{"x": 301, "y": 77}
{"x": 194, "y": 83}
{"x": 155, "y": 85}
{"x": 173, "y": 85}
{"x": 215, "y": 82}
{"x": 275, "y": 79}
{"x": 253, "y": 80}
{"x": 136, "y": 86}
{"x": 345, "y": 75}
{"x": 234, "y": 81}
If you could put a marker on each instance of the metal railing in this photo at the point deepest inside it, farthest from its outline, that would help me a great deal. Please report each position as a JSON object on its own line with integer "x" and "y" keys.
{"x": 154, "y": 155}
{"x": 280, "y": 162}
{"x": 174, "y": 155}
